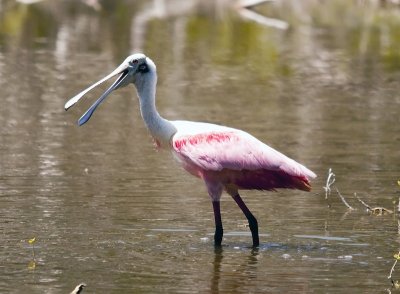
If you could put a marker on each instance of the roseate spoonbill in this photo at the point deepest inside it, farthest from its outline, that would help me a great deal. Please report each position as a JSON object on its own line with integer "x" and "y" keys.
{"x": 227, "y": 159}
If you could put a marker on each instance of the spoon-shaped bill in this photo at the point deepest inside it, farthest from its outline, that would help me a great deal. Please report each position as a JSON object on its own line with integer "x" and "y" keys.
{"x": 71, "y": 102}
{"x": 86, "y": 116}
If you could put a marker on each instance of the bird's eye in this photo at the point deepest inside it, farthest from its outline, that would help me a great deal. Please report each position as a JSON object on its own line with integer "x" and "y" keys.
{"x": 143, "y": 68}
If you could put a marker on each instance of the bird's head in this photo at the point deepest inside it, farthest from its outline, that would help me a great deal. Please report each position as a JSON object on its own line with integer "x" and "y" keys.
{"x": 131, "y": 70}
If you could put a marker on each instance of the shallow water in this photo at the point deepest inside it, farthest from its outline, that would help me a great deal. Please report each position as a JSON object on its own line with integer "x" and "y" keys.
{"x": 108, "y": 210}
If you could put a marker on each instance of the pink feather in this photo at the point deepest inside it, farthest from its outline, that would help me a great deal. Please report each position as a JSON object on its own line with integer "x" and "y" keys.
{"x": 234, "y": 157}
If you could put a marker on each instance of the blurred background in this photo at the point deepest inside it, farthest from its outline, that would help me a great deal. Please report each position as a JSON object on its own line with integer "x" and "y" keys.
{"x": 317, "y": 80}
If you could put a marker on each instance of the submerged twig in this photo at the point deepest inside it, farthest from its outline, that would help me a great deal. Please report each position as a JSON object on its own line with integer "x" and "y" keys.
{"x": 379, "y": 210}
{"x": 329, "y": 182}
{"x": 398, "y": 207}
{"x": 398, "y": 226}
{"x": 78, "y": 289}
{"x": 32, "y": 263}
{"x": 32, "y": 242}
{"x": 362, "y": 202}
{"x": 396, "y": 259}
{"x": 344, "y": 200}
{"x": 391, "y": 271}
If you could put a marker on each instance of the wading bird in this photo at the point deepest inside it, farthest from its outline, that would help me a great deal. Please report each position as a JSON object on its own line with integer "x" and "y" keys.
{"x": 226, "y": 159}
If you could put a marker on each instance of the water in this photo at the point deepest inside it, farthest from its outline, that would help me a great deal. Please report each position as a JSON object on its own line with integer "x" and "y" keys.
{"x": 108, "y": 210}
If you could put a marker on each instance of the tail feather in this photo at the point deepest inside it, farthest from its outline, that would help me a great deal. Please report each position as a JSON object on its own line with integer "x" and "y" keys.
{"x": 296, "y": 169}
{"x": 302, "y": 184}
{"x": 270, "y": 180}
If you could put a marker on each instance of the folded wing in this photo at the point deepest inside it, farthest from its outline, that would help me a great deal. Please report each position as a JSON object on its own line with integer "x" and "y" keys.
{"x": 223, "y": 148}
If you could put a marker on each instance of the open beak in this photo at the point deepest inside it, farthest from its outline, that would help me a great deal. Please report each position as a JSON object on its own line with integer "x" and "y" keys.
{"x": 122, "y": 70}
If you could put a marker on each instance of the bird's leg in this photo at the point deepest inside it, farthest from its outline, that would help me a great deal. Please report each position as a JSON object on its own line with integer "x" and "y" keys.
{"x": 214, "y": 189}
{"x": 219, "y": 231}
{"x": 253, "y": 224}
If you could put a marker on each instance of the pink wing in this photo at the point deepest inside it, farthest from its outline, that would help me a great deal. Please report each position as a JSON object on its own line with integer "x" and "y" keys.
{"x": 235, "y": 150}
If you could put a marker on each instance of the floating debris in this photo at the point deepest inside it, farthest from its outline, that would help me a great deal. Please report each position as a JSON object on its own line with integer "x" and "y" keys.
{"x": 78, "y": 289}
{"x": 329, "y": 182}
{"x": 396, "y": 259}
{"x": 379, "y": 210}
{"x": 32, "y": 263}
{"x": 344, "y": 200}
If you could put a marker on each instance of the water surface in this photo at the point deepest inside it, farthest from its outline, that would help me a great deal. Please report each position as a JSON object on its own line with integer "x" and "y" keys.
{"x": 108, "y": 210}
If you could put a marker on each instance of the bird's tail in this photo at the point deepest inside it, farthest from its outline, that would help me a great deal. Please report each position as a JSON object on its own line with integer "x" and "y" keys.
{"x": 301, "y": 183}
{"x": 298, "y": 171}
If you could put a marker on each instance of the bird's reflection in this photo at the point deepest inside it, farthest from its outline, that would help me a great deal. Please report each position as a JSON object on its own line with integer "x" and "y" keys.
{"x": 236, "y": 273}
{"x": 218, "y": 256}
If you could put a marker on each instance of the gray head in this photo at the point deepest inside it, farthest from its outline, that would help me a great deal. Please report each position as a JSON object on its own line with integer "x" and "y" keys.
{"x": 132, "y": 70}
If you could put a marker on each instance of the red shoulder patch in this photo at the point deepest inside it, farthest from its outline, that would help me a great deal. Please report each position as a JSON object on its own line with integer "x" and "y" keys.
{"x": 202, "y": 138}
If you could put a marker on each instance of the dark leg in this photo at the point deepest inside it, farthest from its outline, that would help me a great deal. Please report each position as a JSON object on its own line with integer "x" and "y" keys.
{"x": 219, "y": 231}
{"x": 253, "y": 224}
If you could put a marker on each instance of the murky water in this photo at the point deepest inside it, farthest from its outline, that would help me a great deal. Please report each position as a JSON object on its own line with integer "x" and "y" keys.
{"x": 108, "y": 210}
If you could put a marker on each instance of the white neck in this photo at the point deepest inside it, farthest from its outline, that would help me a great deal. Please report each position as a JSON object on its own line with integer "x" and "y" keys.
{"x": 161, "y": 129}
